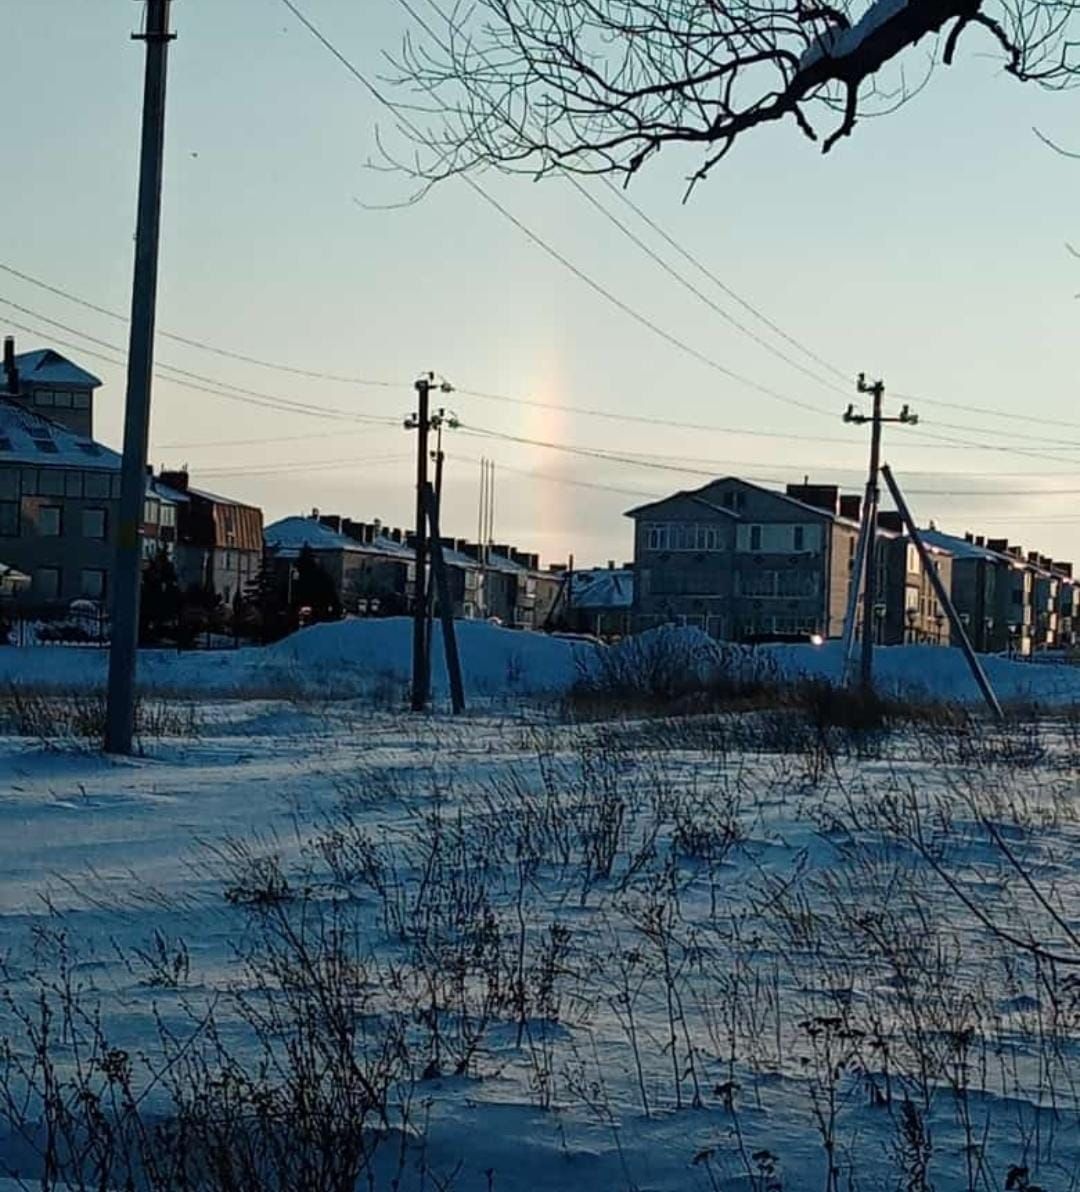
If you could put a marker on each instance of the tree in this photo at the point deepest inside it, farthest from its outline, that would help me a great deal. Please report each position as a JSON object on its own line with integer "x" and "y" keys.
{"x": 313, "y": 588}
{"x": 265, "y": 612}
{"x": 159, "y": 601}
{"x": 600, "y": 86}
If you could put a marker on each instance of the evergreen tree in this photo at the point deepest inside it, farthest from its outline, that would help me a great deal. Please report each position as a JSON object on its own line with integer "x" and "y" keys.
{"x": 159, "y": 604}
{"x": 314, "y": 589}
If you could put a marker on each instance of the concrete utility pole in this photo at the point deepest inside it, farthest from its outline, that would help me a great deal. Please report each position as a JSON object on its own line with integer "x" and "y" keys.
{"x": 441, "y": 418}
{"x": 120, "y": 719}
{"x": 870, "y": 513}
{"x": 421, "y": 423}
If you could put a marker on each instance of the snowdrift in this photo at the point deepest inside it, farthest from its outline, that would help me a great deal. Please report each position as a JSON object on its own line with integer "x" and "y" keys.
{"x": 356, "y": 658}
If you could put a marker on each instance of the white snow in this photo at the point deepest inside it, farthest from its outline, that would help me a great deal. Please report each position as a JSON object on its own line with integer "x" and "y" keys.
{"x": 847, "y": 41}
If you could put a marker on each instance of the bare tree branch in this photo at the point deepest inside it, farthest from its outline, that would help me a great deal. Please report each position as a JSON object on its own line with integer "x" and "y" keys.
{"x": 601, "y": 86}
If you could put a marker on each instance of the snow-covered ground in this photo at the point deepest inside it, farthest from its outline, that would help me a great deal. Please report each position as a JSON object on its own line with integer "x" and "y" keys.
{"x": 720, "y": 953}
{"x": 360, "y": 657}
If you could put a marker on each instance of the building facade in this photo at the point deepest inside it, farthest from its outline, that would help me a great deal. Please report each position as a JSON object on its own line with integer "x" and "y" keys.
{"x": 742, "y": 562}
{"x": 219, "y": 541}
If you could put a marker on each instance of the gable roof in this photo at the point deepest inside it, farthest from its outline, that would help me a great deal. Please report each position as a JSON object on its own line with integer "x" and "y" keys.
{"x": 47, "y": 367}
{"x": 695, "y": 494}
{"x": 290, "y": 535}
{"x": 28, "y": 437}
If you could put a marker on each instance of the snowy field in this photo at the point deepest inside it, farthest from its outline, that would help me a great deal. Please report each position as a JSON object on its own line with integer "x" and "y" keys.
{"x": 315, "y": 943}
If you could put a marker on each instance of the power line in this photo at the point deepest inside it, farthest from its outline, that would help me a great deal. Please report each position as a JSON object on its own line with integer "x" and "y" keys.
{"x": 673, "y": 273}
{"x": 245, "y": 396}
{"x": 542, "y": 244}
{"x": 197, "y": 343}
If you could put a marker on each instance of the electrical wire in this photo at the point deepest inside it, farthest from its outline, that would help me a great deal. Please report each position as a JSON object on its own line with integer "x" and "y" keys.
{"x": 196, "y": 343}
{"x": 246, "y": 396}
{"x": 598, "y": 288}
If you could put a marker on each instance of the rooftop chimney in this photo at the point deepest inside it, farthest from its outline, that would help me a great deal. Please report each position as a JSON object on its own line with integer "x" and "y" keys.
{"x": 821, "y": 496}
{"x": 851, "y": 507}
{"x": 332, "y": 521}
{"x": 11, "y": 370}
{"x": 889, "y": 519}
{"x": 177, "y": 479}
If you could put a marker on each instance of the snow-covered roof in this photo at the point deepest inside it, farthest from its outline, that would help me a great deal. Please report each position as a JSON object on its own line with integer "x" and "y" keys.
{"x": 47, "y": 367}
{"x": 10, "y": 579}
{"x": 602, "y": 587}
{"x": 960, "y": 548}
{"x": 290, "y": 535}
{"x": 27, "y": 437}
{"x": 172, "y": 496}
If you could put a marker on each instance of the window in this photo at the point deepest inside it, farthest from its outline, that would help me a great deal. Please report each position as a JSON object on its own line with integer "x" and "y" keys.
{"x": 81, "y": 400}
{"x": 9, "y": 519}
{"x": 63, "y": 400}
{"x": 51, "y": 483}
{"x": 168, "y": 515}
{"x": 96, "y": 484}
{"x": 44, "y": 397}
{"x": 73, "y": 484}
{"x": 93, "y": 583}
{"x": 93, "y": 523}
{"x": 47, "y": 582}
{"x": 683, "y": 536}
{"x": 29, "y": 481}
{"x": 9, "y": 483}
{"x": 50, "y": 521}
{"x": 798, "y": 538}
{"x": 151, "y": 512}
{"x": 755, "y": 538}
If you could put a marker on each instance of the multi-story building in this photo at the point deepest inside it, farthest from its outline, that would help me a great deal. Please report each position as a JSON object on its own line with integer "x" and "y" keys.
{"x": 46, "y": 383}
{"x": 59, "y": 496}
{"x": 908, "y": 611}
{"x": 741, "y": 561}
{"x": 219, "y": 541}
{"x": 372, "y": 568}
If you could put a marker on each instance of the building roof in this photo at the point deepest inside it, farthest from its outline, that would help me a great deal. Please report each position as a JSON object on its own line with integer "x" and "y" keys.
{"x": 602, "y": 587}
{"x": 164, "y": 492}
{"x": 695, "y": 494}
{"x": 28, "y": 437}
{"x": 47, "y": 367}
{"x": 290, "y": 535}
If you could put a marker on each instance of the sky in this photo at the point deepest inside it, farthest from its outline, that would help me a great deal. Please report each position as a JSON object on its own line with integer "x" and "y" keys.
{"x": 928, "y": 249}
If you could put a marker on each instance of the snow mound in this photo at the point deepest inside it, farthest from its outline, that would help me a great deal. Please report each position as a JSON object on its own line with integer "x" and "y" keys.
{"x": 494, "y": 661}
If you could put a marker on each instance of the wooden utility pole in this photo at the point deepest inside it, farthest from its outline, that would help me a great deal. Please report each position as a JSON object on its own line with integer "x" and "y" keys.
{"x": 870, "y": 513}
{"x": 127, "y": 574}
{"x": 421, "y": 423}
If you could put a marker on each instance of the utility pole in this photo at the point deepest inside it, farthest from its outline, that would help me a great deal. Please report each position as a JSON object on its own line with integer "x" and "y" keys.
{"x": 870, "y": 513}
{"x": 421, "y": 423}
{"x": 123, "y": 649}
{"x": 439, "y": 419}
